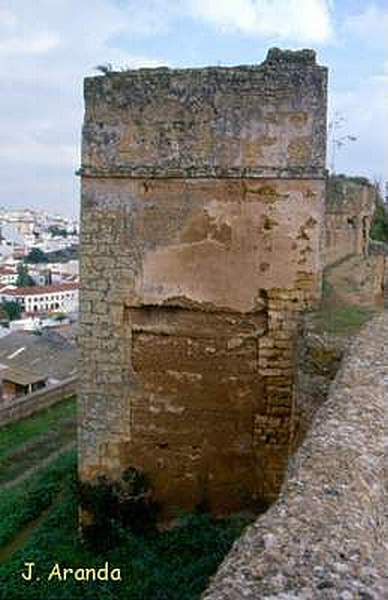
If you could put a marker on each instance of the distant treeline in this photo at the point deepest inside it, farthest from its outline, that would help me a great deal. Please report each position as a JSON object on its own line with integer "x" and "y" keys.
{"x": 37, "y": 256}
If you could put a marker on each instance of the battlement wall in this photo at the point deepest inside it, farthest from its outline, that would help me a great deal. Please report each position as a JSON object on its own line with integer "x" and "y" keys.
{"x": 350, "y": 205}
{"x": 256, "y": 120}
{"x": 202, "y": 209}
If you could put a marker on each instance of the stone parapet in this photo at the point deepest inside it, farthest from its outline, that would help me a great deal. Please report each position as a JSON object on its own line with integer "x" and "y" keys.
{"x": 325, "y": 536}
{"x": 258, "y": 119}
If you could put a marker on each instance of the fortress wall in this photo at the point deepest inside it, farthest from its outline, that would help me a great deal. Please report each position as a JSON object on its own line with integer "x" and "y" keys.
{"x": 25, "y": 406}
{"x": 325, "y": 536}
{"x": 350, "y": 205}
{"x": 202, "y": 202}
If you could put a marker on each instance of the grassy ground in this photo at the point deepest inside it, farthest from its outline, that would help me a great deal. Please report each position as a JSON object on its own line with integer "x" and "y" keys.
{"x": 39, "y": 524}
{"x": 15, "y": 435}
{"x": 343, "y": 320}
{"x": 17, "y": 463}
{"x": 337, "y": 317}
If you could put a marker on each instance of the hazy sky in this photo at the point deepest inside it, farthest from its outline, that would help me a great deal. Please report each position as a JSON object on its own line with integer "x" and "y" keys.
{"x": 48, "y": 46}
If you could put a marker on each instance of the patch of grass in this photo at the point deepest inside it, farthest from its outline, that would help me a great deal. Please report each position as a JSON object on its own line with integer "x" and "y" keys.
{"x": 26, "y": 501}
{"x": 174, "y": 565}
{"x": 343, "y": 319}
{"x": 30, "y": 455}
{"x": 16, "y": 434}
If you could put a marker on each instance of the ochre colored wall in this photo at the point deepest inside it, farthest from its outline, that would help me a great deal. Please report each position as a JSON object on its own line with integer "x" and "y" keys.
{"x": 202, "y": 205}
{"x": 350, "y": 205}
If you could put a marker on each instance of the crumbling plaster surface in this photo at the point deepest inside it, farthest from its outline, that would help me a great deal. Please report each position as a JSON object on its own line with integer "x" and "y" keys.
{"x": 202, "y": 205}
{"x": 350, "y": 205}
{"x": 217, "y": 121}
{"x": 355, "y": 265}
{"x": 194, "y": 236}
{"x": 325, "y": 538}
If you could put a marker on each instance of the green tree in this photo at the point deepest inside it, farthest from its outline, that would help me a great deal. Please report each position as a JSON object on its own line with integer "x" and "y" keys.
{"x": 379, "y": 229}
{"x": 3, "y": 314}
{"x": 24, "y": 279}
{"x": 57, "y": 231}
{"x": 60, "y": 317}
{"x": 36, "y": 255}
{"x": 12, "y": 309}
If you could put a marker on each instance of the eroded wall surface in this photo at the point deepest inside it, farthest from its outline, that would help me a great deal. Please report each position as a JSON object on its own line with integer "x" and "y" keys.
{"x": 356, "y": 264}
{"x": 350, "y": 205}
{"x": 325, "y": 536}
{"x": 202, "y": 204}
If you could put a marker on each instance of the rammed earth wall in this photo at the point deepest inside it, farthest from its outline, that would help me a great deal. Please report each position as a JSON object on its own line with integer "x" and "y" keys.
{"x": 325, "y": 537}
{"x": 202, "y": 205}
{"x": 350, "y": 205}
{"x": 356, "y": 265}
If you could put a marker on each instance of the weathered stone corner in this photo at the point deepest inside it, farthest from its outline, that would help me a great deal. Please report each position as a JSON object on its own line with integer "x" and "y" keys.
{"x": 306, "y": 56}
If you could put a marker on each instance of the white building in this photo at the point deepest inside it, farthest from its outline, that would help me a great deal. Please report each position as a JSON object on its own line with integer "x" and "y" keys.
{"x": 37, "y": 300}
{"x": 8, "y": 275}
{"x": 64, "y": 271}
{"x": 37, "y": 323}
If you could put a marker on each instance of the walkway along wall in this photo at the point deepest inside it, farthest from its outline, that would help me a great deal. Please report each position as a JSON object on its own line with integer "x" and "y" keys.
{"x": 202, "y": 204}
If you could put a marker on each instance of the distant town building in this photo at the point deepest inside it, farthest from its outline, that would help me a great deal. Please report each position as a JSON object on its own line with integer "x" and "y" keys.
{"x": 19, "y": 382}
{"x": 42, "y": 299}
{"x": 29, "y": 362}
{"x": 22, "y": 230}
{"x": 8, "y": 275}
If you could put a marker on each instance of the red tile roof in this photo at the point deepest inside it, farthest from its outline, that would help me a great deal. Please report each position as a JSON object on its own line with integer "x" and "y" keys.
{"x": 43, "y": 289}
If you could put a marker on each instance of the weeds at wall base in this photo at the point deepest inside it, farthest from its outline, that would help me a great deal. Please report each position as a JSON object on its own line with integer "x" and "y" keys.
{"x": 115, "y": 507}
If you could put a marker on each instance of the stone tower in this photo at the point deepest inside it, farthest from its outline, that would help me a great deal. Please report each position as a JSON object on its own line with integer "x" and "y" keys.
{"x": 202, "y": 204}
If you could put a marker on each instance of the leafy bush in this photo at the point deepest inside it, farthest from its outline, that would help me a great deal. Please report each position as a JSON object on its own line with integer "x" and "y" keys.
{"x": 12, "y": 309}
{"x": 24, "y": 279}
{"x": 379, "y": 228}
{"x": 35, "y": 256}
{"x": 117, "y": 506}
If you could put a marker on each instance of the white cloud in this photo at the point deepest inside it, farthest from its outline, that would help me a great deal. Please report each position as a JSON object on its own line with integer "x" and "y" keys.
{"x": 7, "y": 18}
{"x": 365, "y": 109}
{"x": 366, "y": 105}
{"x": 297, "y": 20}
{"x": 39, "y": 154}
{"x": 46, "y": 48}
{"x": 36, "y": 44}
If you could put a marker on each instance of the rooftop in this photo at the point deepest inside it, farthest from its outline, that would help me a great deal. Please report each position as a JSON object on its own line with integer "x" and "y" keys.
{"x": 21, "y": 376}
{"x": 39, "y": 290}
{"x": 49, "y": 354}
